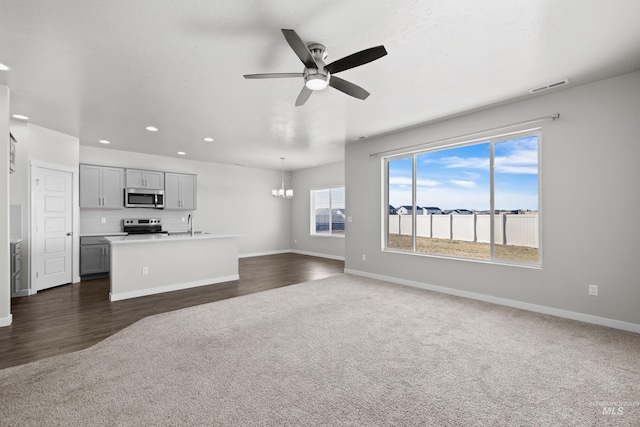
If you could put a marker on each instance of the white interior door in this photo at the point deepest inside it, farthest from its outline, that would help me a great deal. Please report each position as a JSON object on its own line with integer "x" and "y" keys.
{"x": 53, "y": 215}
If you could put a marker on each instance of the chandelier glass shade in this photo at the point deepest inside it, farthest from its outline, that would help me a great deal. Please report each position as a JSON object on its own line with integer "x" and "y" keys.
{"x": 281, "y": 192}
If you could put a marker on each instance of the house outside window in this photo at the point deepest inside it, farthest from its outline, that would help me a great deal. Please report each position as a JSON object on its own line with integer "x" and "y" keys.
{"x": 328, "y": 213}
{"x": 474, "y": 200}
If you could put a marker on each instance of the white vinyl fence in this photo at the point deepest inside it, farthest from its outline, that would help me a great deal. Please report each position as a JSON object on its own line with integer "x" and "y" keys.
{"x": 509, "y": 229}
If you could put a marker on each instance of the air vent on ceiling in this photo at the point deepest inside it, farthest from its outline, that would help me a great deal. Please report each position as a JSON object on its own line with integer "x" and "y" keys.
{"x": 549, "y": 86}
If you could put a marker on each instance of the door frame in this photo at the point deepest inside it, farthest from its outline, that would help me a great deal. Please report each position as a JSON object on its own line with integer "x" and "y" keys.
{"x": 75, "y": 220}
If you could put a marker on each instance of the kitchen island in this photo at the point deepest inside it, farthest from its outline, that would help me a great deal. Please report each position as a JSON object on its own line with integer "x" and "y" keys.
{"x": 154, "y": 263}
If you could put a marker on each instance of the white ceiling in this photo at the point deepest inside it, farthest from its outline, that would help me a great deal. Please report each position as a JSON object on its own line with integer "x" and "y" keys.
{"x": 107, "y": 69}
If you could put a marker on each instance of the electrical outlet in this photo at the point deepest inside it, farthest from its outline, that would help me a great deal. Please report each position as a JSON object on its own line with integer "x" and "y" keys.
{"x": 349, "y": 219}
{"x": 103, "y": 220}
{"x": 364, "y": 257}
{"x": 182, "y": 219}
{"x": 295, "y": 240}
{"x": 145, "y": 271}
{"x": 593, "y": 290}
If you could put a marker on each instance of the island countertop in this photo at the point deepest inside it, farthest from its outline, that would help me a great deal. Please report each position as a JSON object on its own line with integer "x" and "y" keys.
{"x": 171, "y": 237}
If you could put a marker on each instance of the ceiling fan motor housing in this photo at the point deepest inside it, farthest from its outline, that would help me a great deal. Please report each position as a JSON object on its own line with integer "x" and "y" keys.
{"x": 317, "y": 78}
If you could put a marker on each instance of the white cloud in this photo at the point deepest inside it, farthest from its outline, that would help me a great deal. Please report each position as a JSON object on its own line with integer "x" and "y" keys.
{"x": 465, "y": 162}
{"x": 400, "y": 180}
{"x": 427, "y": 183}
{"x": 405, "y": 180}
{"x": 522, "y": 159}
{"x": 463, "y": 183}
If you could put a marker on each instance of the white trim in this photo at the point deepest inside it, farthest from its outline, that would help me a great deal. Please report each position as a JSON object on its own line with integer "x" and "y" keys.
{"x": 54, "y": 166}
{"x": 279, "y": 251}
{"x": 587, "y": 318}
{"x": 6, "y": 321}
{"x": 170, "y": 288}
{"x": 316, "y": 254}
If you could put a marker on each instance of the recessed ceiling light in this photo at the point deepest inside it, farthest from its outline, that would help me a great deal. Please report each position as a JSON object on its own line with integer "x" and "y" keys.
{"x": 208, "y": 139}
{"x": 4, "y": 67}
{"x": 20, "y": 117}
{"x": 181, "y": 153}
{"x": 152, "y": 128}
{"x": 104, "y": 141}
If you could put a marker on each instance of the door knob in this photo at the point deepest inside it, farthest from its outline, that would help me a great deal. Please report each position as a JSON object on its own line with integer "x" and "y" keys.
{"x": 69, "y": 234}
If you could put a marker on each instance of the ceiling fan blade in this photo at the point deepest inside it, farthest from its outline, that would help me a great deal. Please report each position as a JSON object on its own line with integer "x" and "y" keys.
{"x": 356, "y": 59}
{"x": 305, "y": 93}
{"x": 300, "y": 48}
{"x": 348, "y": 88}
{"x": 272, "y": 75}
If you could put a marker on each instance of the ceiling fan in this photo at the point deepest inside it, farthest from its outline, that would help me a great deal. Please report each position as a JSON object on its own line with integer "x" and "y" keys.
{"x": 317, "y": 75}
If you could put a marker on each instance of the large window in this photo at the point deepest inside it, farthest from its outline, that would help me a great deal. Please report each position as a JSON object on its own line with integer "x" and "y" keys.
{"x": 328, "y": 211}
{"x": 476, "y": 200}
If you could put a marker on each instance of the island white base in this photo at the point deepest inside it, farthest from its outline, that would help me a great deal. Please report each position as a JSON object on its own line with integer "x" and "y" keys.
{"x": 170, "y": 288}
{"x": 143, "y": 268}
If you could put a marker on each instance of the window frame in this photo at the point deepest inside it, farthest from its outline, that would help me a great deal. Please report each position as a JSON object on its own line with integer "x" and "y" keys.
{"x": 492, "y": 140}
{"x": 312, "y": 216}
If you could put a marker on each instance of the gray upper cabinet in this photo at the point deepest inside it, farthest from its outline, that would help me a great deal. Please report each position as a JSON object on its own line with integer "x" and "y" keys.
{"x": 180, "y": 191}
{"x": 137, "y": 178}
{"x": 101, "y": 187}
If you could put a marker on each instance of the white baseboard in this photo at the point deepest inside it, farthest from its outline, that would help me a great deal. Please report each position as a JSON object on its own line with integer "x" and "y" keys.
{"x": 280, "y": 251}
{"x": 339, "y": 258}
{"x": 288, "y": 251}
{"x": 169, "y": 288}
{"x": 587, "y": 318}
{"x": 6, "y": 321}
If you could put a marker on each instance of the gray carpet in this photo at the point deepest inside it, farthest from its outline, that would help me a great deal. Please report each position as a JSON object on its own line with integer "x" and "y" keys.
{"x": 339, "y": 351}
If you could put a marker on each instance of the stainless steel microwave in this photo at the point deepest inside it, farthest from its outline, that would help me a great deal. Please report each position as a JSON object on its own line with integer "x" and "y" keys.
{"x": 143, "y": 198}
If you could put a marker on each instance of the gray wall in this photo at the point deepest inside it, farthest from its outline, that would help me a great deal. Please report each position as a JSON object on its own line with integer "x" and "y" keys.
{"x": 589, "y": 168}
{"x": 302, "y": 183}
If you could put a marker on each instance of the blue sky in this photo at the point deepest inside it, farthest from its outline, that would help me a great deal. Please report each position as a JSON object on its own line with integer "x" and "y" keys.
{"x": 458, "y": 178}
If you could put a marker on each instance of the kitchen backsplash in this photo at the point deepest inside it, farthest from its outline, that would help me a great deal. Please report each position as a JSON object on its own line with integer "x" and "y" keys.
{"x": 91, "y": 219}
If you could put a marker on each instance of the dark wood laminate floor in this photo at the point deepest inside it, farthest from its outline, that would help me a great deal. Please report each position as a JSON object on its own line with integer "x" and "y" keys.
{"x": 72, "y": 317}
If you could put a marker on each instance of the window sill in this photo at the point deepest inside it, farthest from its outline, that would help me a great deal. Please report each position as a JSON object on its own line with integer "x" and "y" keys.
{"x": 534, "y": 266}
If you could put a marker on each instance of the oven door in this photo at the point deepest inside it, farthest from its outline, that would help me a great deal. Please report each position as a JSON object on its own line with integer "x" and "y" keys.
{"x": 142, "y": 198}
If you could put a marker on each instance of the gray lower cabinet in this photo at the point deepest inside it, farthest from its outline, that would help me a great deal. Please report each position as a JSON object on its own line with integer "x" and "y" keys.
{"x": 94, "y": 255}
{"x": 16, "y": 260}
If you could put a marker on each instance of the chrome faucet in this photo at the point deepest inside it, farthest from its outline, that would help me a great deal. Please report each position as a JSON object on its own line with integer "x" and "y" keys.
{"x": 190, "y": 222}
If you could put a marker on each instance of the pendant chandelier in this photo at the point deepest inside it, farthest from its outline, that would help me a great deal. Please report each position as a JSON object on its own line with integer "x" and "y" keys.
{"x": 282, "y": 193}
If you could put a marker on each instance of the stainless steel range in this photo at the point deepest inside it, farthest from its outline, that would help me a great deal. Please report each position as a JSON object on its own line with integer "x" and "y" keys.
{"x": 142, "y": 226}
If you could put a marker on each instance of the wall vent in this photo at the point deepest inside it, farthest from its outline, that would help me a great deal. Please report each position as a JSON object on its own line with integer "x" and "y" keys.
{"x": 549, "y": 86}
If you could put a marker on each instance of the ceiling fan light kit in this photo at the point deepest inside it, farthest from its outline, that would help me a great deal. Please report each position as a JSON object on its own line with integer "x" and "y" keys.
{"x": 317, "y": 75}
{"x": 316, "y": 81}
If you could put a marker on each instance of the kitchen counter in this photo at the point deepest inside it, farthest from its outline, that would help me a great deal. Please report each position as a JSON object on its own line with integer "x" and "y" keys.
{"x": 183, "y": 235}
{"x": 147, "y": 264}
{"x": 115, "y": 233}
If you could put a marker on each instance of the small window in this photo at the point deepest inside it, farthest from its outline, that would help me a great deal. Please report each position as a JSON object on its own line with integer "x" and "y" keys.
{"x": 328, "y": 213}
